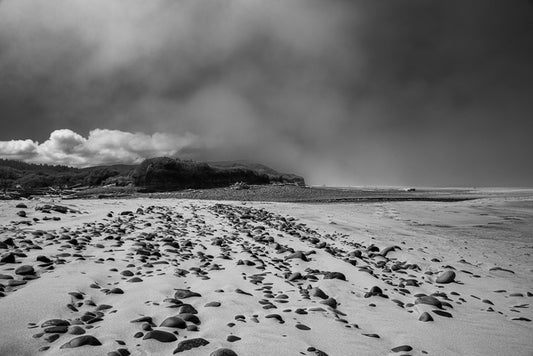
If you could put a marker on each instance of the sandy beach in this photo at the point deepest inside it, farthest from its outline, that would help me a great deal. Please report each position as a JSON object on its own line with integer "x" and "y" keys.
{"x": 202, "y": 277}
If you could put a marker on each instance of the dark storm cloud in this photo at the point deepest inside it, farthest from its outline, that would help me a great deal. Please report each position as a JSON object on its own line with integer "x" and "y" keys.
{"x": 344, "y": 92}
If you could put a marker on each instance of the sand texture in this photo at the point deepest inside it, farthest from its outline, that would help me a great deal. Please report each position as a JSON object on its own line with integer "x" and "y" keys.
{"x": 199, "y": 277}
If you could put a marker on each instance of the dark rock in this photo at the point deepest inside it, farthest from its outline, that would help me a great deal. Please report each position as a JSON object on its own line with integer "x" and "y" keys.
{"x": 223, "y": 352}
{"x": 446, "y": 277}
{"x": 190, "y": 344}
{"x": 185, "y": 293}
{"x": 81, "y": 341}
{"x": 425, "y": 317}
{"x": 174, "y": 322}
{"x": 334, "y": 275}
{"x": 406, "y": 348}
{"x": 8, "y": 258}
{"x": 161, "y": 336}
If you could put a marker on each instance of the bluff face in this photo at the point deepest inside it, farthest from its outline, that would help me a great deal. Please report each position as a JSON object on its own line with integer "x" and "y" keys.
{"x": 168, "y": 174}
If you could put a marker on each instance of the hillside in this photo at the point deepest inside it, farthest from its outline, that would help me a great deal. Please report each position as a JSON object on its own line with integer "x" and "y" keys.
{"x": 156, "y": 174}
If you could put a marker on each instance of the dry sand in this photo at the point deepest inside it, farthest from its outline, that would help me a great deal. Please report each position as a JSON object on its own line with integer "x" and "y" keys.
{"x": 267, "y": 278}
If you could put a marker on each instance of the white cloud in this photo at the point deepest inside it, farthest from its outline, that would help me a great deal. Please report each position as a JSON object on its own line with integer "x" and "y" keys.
{"x": 101, "y": 147}
{"x": 18, "y": 149}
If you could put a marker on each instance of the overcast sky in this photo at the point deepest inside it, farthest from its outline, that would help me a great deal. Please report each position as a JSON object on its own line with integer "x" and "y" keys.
{"x": 354, "y": 92}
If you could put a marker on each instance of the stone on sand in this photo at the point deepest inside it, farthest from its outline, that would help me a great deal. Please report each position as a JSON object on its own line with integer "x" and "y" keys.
{"x": 185, "y": 293}
{"x": 190, "y": 344}
{"x": 160, "y": 335}
{"x": 446, "y": 277}
{"x": 223, "y": 352}
{"x": 81, "y": 341}
{"x": 174, "y": 322}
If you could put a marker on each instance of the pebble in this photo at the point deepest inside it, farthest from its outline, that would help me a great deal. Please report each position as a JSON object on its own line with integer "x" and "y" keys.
{"x": 223, "y": 352}
{"x": 425, "y": 317}
{"x": 160, "y": 335}
{"x": 81, "y": 341}
{"x": 446, "y": 277}
{"x": 190, "y": 344}
{"x": 185, "y": 293}
{"x": 174, "y": 322}
{"x": 401, "y": 348}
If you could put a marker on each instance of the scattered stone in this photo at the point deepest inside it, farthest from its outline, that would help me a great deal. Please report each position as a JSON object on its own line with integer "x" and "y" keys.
{"x": 425, "y": 316}
{"x": 223, "y": 352}
{"x": 160, "y": 335}
{"x": 81, "y": 341}
{"x": 185, "y": 293}
{"x": 446, "y": 277}
{"x": 401, "y": 348}
{"x": 190, "y": 344}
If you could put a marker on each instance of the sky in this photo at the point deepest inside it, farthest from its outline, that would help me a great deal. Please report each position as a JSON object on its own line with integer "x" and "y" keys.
{"x": 342, "y": 92}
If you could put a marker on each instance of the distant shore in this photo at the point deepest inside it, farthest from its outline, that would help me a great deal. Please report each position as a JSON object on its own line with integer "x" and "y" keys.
{"x": 297, "y": 194}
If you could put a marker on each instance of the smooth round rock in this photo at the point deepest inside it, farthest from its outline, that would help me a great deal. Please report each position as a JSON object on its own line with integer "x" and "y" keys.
{"x": 174, "y": 322}
{"x": 223, "y": 352}
{"x": 161, "y": 336}
{"x": 81, "y": 341}
{"x": 446, "y": 277}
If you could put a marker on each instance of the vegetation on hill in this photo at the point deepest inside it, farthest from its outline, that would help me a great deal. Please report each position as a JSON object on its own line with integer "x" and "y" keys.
{"x": 155, "y": 174}
{"x": 167, "y": 174}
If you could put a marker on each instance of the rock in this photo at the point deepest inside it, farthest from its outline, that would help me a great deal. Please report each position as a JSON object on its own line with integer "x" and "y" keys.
{"x": 275, "y": 316}
{"x": 223, "y": 352}
{"x": 187, "y": 309}
{"x": 81, "y": 341}
{"x": 429, "y": 300}
{"x": 21, "y": 206}
{"x": 442, "y": 313}
{"x": 43, "y": 259}
{"x": 21, "y": 213}
{"x": 55, "y": 322}
{"x": 191, "y": 318}
{"x": 190, "y": 344}
{"x": 331, "y": 302}
{"x": 212, "y": 304}
{"x": 406, "y": 348}
{"x": 135, "y": 280}
{"x": 302, "y": 327}
{"x": 386, "y": 250}
{"x": 174, "y": 322}
{"x": 297, "y": 255}
{"x": 144, "y": 319}
{"x": 374, "y": 291}
{"x": 25, "y": 270}
{"x": 116, "y": 291}
{"x": 8, "y": 258}
{"x": 233, "y": 338}
{"x": 161, "y": 336}
{"x": 317, "y": 292}
{"x": 240, "y": 291}
{"x": 334, "y": 275}
{"x": 446, "y": 277}
{"x": 76, "y": 330}
{"x": 61, "y": 329}
{"x": 185, "y": 293}
{"x": 425, "y": 317}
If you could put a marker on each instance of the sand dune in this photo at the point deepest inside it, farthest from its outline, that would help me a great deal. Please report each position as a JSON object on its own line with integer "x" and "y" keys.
{"x": 163, "y": 277}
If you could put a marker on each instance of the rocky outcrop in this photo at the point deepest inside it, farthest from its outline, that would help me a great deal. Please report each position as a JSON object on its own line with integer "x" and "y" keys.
{"x": 168, "y": 174}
